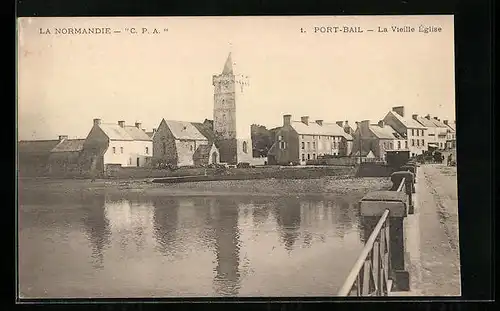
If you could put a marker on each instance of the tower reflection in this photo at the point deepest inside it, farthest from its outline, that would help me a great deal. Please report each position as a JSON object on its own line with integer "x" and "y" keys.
{"x": 227, "y": 247}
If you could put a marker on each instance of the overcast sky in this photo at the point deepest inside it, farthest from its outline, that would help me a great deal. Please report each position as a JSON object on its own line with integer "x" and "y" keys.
{"x": 65, "y": 81}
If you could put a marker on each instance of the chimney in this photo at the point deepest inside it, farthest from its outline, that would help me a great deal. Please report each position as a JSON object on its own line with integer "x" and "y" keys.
{"x": 399, "y": 110}
{"x": 63, "y": 137}
{"x": 428, "y": 117}
{"x": 414, "y": 116}
{"x": 320, "y": 122}
{"x": 121, "y": 123}
{"x": 436, "y": 118}
{"x": 305, "y": 120}
{"x": 364, "y": 126}
{"x": 381, "y": 123}
{"x": 97, "y": 121}
{"x": 138, "y": 125}
{"x": 287, "y": 119}
{"x": 445, "y": 122}
{"x": 154, "y": 131}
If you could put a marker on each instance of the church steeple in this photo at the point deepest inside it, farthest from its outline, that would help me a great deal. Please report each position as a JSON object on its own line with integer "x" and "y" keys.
{"x": 228, "y": 66}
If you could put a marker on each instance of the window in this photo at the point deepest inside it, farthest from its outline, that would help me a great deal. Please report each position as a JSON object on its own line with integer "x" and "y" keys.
{"x": 418, "y": 143}
{"x": 406, "y": 144}
{"x": 303, "y": 145}
{"x": 314, "y": 145}
{"x": 412, "y": 132}
{"x": 303, "y": 157}
{"x": 164, "y": 148}
{"x": 191, "y": 147}
{"x": 121, "y": 149}
{"x": 245, "y": 147}
{"x": 418, "y": 132}
{"x": 129, "y": 161}
{"x": 314, "y": 156}
{"x": 308, "y": 156}
{"x": 308, "y": 145}
{"x": 334, "y": 145}
{"x": 147, "y": 150}
{"x": 423, "y": 143}
{"x": 399, "y": 145}
{"x": 413, "y": 142}
{"x": 280, "y": 137}
{"x": 114, "y": 149}
{"x": 282, "y": 145}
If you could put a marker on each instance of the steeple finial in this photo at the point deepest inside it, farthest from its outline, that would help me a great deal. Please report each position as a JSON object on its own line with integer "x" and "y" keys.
{"x": 228, "y": 66}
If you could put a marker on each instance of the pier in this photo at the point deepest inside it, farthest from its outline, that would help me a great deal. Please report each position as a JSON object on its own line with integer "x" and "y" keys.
{"x": 411, "y": 231}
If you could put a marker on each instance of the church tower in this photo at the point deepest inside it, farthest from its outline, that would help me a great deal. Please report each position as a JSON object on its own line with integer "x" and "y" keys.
{"x": 231, "y": 125}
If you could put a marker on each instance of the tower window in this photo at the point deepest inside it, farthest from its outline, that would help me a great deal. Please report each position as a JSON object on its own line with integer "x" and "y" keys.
{"x": 164, "y": 148}
{"x": 245, "y": 147}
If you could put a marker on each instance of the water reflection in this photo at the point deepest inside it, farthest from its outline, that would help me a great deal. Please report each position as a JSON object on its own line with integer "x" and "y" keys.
{"x": 288, "y": 219}
{"x": 227, "y": 247}
{"x": 97, "y": 228}
{"x": 196, "y": 245}
{"x": 165, "y": 221}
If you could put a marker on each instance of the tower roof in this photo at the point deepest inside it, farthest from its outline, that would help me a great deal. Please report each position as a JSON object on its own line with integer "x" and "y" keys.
{"x": 228, "y": 66}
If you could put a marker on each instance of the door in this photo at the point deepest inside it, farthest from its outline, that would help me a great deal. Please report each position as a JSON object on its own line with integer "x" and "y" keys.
{"x": 138, "y": 162}
{"x": 214, "y": 158}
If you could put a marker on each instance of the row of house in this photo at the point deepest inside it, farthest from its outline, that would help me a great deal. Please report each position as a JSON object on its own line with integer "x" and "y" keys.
{"x": 297, "y": 142}
{"x": 225, "y": 139}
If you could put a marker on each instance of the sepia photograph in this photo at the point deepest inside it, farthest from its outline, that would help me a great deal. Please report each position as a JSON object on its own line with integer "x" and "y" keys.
{"x": 250, "y": 156}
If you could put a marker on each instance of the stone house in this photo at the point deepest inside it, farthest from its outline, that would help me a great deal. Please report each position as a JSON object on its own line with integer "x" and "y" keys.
{"x": 299, "y": 141}
{"x": 184, "y": 143}
{"x": 451, "y": 139}
{"x": 436, "y": 131}
{"x": 409, "y": 128}
{"x": 65, "y": 157}
{"x": 116, "y": 144}
{"x": 377, "y": 138}
{"x": 33, "y": 157}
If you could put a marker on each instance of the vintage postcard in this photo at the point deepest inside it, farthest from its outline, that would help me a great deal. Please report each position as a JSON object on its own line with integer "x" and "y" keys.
{"x": 237, "y": 157}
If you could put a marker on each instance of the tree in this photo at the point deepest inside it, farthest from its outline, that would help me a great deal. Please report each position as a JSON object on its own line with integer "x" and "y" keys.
{"x": 261, "y": 140}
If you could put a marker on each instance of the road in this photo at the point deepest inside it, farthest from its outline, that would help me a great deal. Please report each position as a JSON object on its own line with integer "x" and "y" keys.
{"x": 435, "y": 249}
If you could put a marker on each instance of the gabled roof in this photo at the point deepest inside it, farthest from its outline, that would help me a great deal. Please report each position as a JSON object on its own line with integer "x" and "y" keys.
{"x": 313, "y": 128}
{"x": 386, "y": 132}
{"x": 184, "y": 130}
{"x": 407, "y": 122}
{"x": 205, "y": 131}
{"x": 136, "y": 133}
{"x": 452, "y": 127}
{"x": 114, "y": 131}
{"x": 36, "y": 146}
{"x": 69, "y": 145}
{"x": 426, "y": 122}
{"x": 438, "y": 123}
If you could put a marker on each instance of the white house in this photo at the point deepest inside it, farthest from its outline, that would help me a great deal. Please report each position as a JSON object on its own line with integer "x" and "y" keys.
{"x": 120, "y": 144}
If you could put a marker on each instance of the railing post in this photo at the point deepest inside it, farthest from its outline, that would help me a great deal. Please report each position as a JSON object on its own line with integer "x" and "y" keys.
{"x": 409, "y": 185}
{"x": 373, "y": 205}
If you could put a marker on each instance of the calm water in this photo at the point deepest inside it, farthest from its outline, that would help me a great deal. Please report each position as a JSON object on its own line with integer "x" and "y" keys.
{"x": 100, "y": 245}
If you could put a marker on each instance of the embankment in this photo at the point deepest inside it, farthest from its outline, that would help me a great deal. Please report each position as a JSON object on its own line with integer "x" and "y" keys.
{"x": 264, "y": 173}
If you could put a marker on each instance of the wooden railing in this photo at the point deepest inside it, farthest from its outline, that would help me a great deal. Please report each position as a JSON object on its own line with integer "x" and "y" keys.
{"x": 370, "y": 274}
